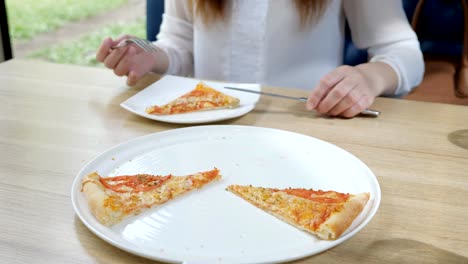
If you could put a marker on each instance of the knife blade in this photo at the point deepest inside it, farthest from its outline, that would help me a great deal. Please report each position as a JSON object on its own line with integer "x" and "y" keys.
{"x": 366, "y": 112}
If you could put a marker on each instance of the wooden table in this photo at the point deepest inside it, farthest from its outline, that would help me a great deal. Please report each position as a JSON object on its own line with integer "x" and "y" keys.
{"x": 55, "y": 118}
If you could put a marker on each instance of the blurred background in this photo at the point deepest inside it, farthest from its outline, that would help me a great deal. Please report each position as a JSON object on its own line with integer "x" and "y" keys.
{"x": 69, "y": 31}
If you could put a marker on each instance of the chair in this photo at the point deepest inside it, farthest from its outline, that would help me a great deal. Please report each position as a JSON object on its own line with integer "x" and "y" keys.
{"x": 5, "y": 45}
{"x": 154, "y": 12}
{"x": 439, "y": 25}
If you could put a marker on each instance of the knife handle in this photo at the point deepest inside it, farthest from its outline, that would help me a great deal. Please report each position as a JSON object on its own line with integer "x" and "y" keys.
{"x": 370, "y": 112}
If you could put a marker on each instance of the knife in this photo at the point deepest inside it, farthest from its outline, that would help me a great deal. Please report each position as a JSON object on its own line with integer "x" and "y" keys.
{"x": 367, "y": 112}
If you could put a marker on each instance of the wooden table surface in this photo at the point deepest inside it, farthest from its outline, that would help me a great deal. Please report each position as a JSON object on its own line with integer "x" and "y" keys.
{"x": 55, "y": 118}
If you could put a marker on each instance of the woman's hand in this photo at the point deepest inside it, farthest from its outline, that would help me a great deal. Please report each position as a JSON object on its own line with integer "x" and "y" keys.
{"x": 347, "y": 90}
{"x": 131, "y": 61}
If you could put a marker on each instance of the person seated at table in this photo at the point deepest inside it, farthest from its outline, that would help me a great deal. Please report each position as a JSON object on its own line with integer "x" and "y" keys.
{"x": 284, "y": 43}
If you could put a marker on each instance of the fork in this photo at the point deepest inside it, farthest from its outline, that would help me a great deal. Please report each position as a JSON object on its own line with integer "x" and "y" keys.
{"x": 146, "y": 45}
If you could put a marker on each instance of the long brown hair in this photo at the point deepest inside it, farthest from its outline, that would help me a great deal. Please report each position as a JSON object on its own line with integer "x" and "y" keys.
{"x": 211, "y": 10}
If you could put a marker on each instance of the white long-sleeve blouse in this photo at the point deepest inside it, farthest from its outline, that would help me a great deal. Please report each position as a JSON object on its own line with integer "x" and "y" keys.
{"x": 261, "y": 41}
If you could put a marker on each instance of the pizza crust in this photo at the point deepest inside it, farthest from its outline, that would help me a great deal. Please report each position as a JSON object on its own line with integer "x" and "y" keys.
{"x": 338, "y": 222}
{"x": 95, "y": 194}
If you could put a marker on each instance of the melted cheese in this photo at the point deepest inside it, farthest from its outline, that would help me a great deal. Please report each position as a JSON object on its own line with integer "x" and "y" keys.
{"x": 130, "y": 201}
{"x": 305, "y": 213}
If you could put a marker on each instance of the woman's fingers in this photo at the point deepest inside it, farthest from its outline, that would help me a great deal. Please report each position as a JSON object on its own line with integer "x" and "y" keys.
{"x": 343, "y": 92}
{"x": 114, "y": 57}
{"x": 325, "y": 85}
{"x": 123, "y": 66}
{"x": 357, "y": 108}
{"x": 104, "y": 49}
{"x": 143, "y": 62}
{"x": 129, "y": 60}
{"x": 132, "y": 78}
{"x": 338, "y": 95}
{"x": 348, "y": 101}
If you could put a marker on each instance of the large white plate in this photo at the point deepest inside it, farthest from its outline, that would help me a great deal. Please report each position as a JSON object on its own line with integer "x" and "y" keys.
{"x": 170, "y": 87}
{"x": 212, "y": 225}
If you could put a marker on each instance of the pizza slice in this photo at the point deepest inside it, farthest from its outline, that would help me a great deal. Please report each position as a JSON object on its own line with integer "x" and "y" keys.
{"x": 201, "y": 98}
{"x": 112, "y": 199}
{"x": 326, "y": 214}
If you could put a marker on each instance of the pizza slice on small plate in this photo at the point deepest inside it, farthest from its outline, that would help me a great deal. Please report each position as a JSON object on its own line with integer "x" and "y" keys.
{"x": 326, "y": 214}
{"x": 201, "y": 98}
{"x": 112, "y": 199}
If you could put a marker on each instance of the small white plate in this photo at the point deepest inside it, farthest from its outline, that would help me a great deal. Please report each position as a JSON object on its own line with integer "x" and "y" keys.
{"x": 211, "y": 225}
{"x": 170, "y": 87}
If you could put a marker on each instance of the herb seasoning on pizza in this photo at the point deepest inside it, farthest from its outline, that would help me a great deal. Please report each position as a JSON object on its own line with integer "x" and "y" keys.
{"x": 326, "y": 214}
{"x": 112, "y": 199}
{"x": 201, "y": 98}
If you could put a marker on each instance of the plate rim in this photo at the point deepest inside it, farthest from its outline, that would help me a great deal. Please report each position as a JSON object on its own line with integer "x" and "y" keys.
{"x": 375, "y": 198}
